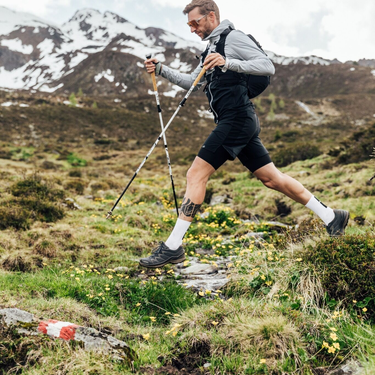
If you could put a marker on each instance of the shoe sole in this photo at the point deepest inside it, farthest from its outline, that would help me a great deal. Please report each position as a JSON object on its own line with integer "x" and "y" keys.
{"x": 174, "y": 261}
{"x": 344, "y": 226}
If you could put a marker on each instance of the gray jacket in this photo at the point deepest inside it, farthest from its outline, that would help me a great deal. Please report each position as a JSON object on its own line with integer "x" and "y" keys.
{"x": 242, "y": 56}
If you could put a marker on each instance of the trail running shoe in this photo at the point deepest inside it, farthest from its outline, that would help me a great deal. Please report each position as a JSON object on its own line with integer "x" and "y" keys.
{"x": 337, "y": 226}
{"x": 163, "y": 255}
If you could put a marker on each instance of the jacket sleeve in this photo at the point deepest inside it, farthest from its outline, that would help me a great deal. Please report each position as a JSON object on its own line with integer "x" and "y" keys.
{"x": 182, "y": 79}
{"x": 244, "y": 56}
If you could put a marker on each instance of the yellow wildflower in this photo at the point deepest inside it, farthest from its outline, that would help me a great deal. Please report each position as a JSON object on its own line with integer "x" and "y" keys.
{"x": 333, "y": 336}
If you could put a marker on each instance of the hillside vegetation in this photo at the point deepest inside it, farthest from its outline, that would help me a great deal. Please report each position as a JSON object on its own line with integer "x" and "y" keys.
{"x": 297, "y": 302}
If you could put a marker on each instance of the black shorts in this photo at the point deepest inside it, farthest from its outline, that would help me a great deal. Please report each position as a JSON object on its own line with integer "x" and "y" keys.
{"x": 236, "y": 136}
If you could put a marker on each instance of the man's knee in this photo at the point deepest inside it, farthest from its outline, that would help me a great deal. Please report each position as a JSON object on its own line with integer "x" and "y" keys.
{"x": 194, "y": 175}
{"x": 273, "y": 182}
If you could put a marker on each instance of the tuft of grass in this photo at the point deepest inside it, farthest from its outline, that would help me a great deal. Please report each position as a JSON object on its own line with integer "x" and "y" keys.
{"x": 346, "y": 269}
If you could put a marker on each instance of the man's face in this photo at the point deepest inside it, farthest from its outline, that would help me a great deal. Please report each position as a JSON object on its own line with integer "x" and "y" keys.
{"x": 202, "y": 27}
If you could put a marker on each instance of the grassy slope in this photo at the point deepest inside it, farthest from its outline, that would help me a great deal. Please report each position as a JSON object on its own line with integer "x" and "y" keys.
{"x": 266, "y": 320}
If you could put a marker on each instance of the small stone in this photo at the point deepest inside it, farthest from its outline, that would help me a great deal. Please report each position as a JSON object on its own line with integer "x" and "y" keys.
{"x": 200, "y": 269}
{"x": 207, "y": 365}
{"x": 205, "y": 252}
{"x": 255, "y": 234}
{"x": 218, "y": 199}
{"x": 122, "y": 269}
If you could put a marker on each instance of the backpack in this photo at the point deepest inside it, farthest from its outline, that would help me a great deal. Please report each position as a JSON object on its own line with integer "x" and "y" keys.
{"x": 255, "y": 84}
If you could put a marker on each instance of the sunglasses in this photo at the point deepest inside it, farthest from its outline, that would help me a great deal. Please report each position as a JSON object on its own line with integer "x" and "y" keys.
{"x": 195, "y": 23}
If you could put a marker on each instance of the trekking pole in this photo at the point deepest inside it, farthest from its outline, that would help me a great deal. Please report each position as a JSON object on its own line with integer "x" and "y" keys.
{"x": 182, "y": 103}
{"x": 164, "y": 137}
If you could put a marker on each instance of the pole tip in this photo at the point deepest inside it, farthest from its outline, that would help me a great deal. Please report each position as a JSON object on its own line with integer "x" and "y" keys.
{"x": 109, "y": 215}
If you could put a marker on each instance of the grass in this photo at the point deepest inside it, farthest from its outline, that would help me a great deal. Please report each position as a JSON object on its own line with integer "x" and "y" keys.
{"x": 278, "y": 313}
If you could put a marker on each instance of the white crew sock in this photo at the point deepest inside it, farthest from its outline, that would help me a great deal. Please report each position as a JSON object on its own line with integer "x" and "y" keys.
{"x": 324, "y": 212}
{"x": 174, "y": 241}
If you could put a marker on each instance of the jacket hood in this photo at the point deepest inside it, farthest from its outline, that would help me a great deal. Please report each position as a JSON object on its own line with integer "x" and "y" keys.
{"x": 216, "y": 32}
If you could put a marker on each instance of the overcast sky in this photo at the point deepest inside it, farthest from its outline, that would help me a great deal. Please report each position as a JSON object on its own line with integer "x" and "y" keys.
{"x": 343, "y": 29}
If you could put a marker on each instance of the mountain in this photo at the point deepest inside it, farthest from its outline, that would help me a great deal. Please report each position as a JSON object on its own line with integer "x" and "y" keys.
{"x": 103, "y": 54}
{"x": 40, "y": 56}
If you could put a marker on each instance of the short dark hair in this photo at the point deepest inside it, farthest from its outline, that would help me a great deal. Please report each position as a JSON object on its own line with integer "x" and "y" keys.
{"x": 205, "y": 7}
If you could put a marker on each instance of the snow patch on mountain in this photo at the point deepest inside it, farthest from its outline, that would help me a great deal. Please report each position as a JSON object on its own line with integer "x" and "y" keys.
{"x": 181, "y": 66}
{"x": 11, "y": 20}
{"x": 17, "y": 46}
{"x": 107, "y": 75}
{"x": 373, "y": 72}
{"x": 282, "y": 60}
{"x": 175, "y": 90}
{"x": 45, "y": 88}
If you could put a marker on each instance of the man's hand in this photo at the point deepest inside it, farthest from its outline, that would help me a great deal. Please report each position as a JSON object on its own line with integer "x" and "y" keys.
{"x": 153, "y": 65}
{"x": 214, "y": 59}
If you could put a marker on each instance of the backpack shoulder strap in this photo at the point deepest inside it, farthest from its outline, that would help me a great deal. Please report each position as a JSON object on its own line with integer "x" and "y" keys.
{"x": 221, "y": 43}
{"x": 256, "y": 42}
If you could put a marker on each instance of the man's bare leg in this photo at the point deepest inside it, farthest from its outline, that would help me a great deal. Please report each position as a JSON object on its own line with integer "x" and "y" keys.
{"x": 276, "y": 180}
{"x": 197, "y": 178}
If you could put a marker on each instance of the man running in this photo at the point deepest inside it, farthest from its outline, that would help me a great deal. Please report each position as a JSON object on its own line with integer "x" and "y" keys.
{"x": 237, "y": 127}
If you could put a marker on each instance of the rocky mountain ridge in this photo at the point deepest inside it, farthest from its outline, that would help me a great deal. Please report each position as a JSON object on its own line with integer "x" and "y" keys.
{"x": 103, "y": 54}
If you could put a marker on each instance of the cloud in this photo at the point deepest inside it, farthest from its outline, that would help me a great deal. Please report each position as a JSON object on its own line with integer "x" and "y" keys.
{"x": 336, "y": 28}
{"x": 38, "y": 7}
{"x": 343, "y": 29}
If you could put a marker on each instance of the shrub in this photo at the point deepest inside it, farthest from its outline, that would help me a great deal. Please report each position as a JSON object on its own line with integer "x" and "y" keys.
{"x": 357, "y": 148}
{"x": 98, "y": 185}
{"x": 13, "y": 217}
{"x": 41, "y": 210}
{"x": 76, "y": 161}
{"x": 77, "y": 186}
{"x": 33, "y": 200}
{"x": 299, "y": 151}
{"x": 75, "y": 173}
{"x": 33, "y": 186}
{"x": 346, "y": 268}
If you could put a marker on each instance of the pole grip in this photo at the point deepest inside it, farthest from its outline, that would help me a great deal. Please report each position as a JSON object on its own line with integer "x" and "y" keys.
{"x": 154, "y": 81}
{"x": 199, "y": 76}
{"x": 152, "y": 75}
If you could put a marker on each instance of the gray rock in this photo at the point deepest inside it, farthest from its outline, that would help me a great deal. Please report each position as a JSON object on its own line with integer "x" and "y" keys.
{"x": 90, "y": 337}
{"x": 200, "y": 269}
{"x": 205, "y": 215}
{"x": 206, "y": 284}
{"x": 122, "y": 269}
{"x": 352, "y": 368}
{"x": 14, "y": 316}
{"x": 277, "y": 224}
{"x": 205, "y": 252}
{"x": 255, "y": 234}
{"x": 219, "y": 199}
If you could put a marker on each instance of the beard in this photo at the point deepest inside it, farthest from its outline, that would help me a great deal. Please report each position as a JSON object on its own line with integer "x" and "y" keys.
{"x": 205, "y": 33}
